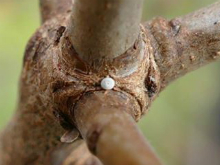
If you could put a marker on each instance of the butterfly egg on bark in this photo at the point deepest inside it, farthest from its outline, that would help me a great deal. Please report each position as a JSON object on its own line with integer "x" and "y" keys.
{"x": 108, "y": 83}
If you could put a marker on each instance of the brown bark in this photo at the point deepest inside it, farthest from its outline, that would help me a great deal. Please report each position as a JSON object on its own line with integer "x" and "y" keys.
{"x": 60, "y": 91}
{"x": 33, "y": 135}
{"x": 50, "y": 8}
{"x": 186, "y": 43}
{"x": 105, "y": 120}
{"x": 51, "y": 85}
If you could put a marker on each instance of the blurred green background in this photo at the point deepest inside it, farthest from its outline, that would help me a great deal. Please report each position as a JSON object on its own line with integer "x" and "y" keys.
{"x": 184, "y": 122}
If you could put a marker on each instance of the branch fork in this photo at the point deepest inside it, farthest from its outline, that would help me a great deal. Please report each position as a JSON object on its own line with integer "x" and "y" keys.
{"x": 65, "y": 62}
{"x": 134, "y": 72}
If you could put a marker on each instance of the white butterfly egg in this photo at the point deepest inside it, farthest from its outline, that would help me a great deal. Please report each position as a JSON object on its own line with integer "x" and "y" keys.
{"x": 108, "y": 83}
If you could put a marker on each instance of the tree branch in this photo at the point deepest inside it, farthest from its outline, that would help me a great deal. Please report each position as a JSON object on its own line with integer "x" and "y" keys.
{"x": 34, "y": 133}
{"x": 50, "y": 8}
{"x": 110, "y": 131}
{"x": 56, "y": 96}
{"x": 186, "y": 43}
{"x": 104, "y": 29}
{"x": 76, "y": 153}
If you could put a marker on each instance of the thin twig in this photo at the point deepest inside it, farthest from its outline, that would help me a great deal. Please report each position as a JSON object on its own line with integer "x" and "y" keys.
{"x": 104, "y": 29}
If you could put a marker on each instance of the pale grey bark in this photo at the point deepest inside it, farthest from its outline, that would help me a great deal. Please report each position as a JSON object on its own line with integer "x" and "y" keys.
{"x": 104, "y": 29}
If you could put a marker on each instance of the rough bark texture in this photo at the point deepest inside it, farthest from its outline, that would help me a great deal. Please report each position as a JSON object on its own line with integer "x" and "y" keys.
{"x": 51, "y": 84}
{"x": 186, "y": 43}
{"x": 51, "y": 8}
{"x": 33, "y": 136}
{"x": 61, "y": 92}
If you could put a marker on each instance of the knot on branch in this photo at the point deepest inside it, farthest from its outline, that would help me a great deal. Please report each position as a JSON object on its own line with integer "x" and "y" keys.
{"x": 135, "y": 72}
{"x": 64, "y": 77}
{"x": 165, "y": 33}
